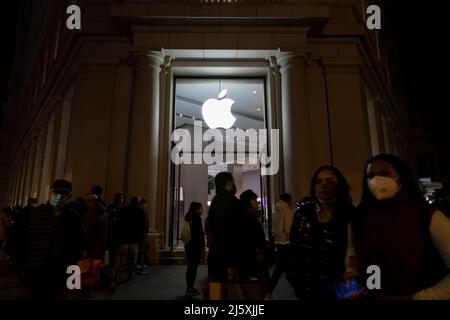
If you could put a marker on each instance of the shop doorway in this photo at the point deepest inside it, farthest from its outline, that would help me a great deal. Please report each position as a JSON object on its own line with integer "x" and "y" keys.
{"x": 195, "y": 182}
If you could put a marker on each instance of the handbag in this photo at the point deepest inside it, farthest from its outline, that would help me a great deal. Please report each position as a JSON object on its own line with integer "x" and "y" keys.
{"x": 185, "y": 234}
{"x": 90, "y": 272}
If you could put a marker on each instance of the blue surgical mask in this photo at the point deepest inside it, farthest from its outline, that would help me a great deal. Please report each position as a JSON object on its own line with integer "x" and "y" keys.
{"x": 55, "y": 199}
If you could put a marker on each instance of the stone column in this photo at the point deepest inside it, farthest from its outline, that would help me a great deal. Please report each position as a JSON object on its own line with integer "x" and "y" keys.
{"x": 163, "y": 207}
{"x": 63, "y": 136}
{"x": 86, "y": 159}
{"x": 118, "y": 133}
{"x": 10, "y": 185}
{"x": 37, "y": 167}
{"x": 142, "y": 162}
{"x": 318, "y": 115}
{"x": 29, "y": 173}
{"x": 349, "y": 124}
{"x": 12, "y": 197}
{"x": 295, "y": 126}
{"x": 16, "y": 182}
{"x": 23, "y": 179}
{"x": 274, "y": 122}
{"x": 48, "y": 151}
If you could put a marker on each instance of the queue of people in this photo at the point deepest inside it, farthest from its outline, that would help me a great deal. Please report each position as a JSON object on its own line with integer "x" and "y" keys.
{"x": 42, "y": 241}
{"x": 320, "y": 243}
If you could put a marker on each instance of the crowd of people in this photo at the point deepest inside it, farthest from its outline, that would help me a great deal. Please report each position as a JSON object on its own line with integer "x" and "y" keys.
{"x": 43, "y": 240}
{"x": 326, "y": 244}
{"x": 322, "y": 242}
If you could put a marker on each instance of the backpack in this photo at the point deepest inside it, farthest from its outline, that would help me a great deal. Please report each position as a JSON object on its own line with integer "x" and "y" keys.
{"x": 185, "y": 234}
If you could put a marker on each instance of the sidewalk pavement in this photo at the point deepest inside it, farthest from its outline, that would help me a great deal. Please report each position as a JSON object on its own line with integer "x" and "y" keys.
{"x": 162, "y": 282}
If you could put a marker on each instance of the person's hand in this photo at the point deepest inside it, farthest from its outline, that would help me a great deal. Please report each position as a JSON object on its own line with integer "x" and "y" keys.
{"x": 232, "y": 275}
{"x": 356, "y": 295}
{"x": 349, "y": 288}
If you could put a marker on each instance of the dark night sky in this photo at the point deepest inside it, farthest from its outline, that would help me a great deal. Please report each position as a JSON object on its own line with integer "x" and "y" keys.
{"x": 420, "y": 32}
{"x": 415, "y": 25}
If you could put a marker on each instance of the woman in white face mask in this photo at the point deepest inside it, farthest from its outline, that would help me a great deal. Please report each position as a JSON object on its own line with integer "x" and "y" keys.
{"x": 396, "y": 231}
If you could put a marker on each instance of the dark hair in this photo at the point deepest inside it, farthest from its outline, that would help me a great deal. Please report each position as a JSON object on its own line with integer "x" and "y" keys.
{"x": 246, "y": 196}
{"x": 221, "y": 180}
{"x": 62, "y": 186}
{"x": 134, "y": 201}
{"x": 343, "y": 196}
{"x": 286, "y": 197}
{"x": 79, "y": 205}
{"x": 80, "y": 200}
{"x": 31, "y": 201}
{"x": 409, "y": 183}
{"x": 97, "y": 190}
{"x": 193, "y": 207}
{"x": 117, "y": 197}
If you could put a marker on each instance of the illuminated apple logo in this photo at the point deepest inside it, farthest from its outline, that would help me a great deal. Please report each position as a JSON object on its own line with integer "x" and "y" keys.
{"x": 217, "y": 113}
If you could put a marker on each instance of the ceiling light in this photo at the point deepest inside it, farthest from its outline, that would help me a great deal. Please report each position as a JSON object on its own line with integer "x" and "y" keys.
{"x": 254, "y": 92}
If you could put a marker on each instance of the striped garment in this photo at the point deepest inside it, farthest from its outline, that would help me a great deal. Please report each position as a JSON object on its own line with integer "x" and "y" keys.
{"x": 53, "y": 242}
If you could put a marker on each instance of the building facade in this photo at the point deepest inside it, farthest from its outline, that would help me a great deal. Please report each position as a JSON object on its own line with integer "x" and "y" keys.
{"x": 97, "y": 106}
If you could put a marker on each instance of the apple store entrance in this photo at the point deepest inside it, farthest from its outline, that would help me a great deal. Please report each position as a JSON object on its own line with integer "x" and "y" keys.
{"x": 222, "y": 103}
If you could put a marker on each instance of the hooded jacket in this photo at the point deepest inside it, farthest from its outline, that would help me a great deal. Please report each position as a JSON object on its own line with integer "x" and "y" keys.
{"x": 282, "y": 222}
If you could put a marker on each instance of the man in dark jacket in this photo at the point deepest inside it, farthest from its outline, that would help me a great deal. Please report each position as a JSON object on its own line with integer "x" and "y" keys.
{"x": 52, "y": 239}
{"x": 229, "y": 249}
{"x": 132, "y": 230}
{"x": 112, "y": 239}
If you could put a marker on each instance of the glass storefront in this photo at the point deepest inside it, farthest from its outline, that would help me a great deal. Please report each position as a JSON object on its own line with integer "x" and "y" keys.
{"x": 195, "y": 182}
